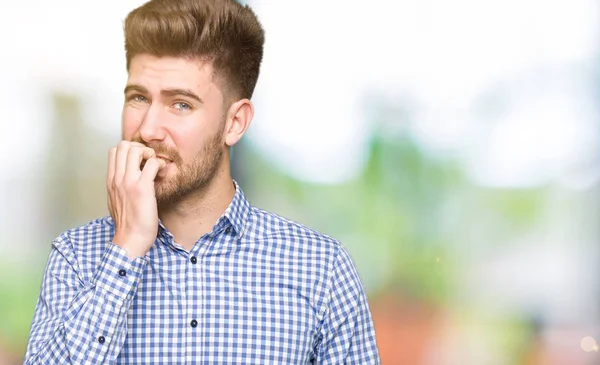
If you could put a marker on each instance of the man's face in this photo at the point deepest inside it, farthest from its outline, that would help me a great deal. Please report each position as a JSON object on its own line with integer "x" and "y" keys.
{"x": 173, "y": 106}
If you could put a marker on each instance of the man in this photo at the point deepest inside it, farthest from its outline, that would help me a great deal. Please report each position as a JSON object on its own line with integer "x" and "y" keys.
{"x": 185, "y": 270}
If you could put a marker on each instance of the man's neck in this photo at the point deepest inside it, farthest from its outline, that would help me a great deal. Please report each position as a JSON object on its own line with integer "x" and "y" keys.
{"x": 197, "y": 214}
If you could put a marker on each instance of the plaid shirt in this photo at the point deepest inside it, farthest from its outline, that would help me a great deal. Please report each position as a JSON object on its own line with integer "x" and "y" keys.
{"x": 258, "y": 289}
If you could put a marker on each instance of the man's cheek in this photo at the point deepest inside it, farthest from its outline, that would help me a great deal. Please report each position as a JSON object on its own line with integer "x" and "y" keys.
{"x": 129, "y": 130}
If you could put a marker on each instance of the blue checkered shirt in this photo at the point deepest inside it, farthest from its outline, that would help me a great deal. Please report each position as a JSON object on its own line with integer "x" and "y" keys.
{"x": 257, "y": 289}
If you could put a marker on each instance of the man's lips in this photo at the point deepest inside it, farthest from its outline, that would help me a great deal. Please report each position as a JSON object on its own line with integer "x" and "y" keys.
{"x": 167, "y": 160}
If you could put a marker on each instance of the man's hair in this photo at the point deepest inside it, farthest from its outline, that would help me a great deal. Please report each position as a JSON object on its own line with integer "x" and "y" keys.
{"x": 222, "y": 32}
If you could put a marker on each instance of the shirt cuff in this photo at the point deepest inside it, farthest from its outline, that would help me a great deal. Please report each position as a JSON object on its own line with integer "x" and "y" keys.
{"x": 117, "y": 274}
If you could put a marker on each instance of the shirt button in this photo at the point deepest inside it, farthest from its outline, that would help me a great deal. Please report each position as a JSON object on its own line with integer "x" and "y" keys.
{"x": 122, "y": 272}
{"x": 101, "y": 339}
{"x": 193, "y": 259}
{"x": 194, "y": 323}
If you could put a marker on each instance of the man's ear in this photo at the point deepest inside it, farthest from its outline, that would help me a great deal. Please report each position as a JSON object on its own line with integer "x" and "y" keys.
{"x": 239, "y": 116}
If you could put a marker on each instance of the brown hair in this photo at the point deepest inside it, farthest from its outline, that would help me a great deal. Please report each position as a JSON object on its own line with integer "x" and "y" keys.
{"x": 222, "y": 32}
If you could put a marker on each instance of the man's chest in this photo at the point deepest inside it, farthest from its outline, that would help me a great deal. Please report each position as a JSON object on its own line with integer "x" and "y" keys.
{"x": 226, "y": 309}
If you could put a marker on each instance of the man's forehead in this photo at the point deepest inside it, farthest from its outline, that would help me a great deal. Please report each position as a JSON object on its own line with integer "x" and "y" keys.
{"x": 171, "y": 67}
{"x": 156, "y": 73}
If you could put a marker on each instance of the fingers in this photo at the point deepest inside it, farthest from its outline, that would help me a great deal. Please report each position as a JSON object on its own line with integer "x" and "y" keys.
{"x": 121, "y": 160}
{"x": 135, "y": 156}
{"x": 128, "y": 157}
{"x": 110, "y": 175}
{"x": 153, "y": 165}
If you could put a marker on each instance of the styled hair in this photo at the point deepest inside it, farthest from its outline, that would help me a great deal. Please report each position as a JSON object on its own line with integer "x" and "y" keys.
{"x": 222, "y": 32}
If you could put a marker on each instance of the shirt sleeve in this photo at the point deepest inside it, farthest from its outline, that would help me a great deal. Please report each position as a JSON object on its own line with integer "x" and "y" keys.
{"x": 347, "y": 332}
{"x": 78, "y": 321}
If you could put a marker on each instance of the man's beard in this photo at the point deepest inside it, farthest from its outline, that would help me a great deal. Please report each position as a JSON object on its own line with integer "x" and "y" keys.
{"x": 191, "y": 177}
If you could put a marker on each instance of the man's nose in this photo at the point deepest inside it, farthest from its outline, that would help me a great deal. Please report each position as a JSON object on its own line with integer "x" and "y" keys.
{"x": 151, "y": 128}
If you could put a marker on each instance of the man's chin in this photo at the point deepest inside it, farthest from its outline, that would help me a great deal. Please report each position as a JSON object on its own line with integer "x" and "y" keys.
{"x": 164, "y": 189}
{"x": 162, "y": 199}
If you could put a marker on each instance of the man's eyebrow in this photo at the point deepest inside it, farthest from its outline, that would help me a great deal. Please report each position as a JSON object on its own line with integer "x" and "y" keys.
{"x": 134, "y": 87}
{"x": 165, "y": 92}
{"x": 181, "y": 92}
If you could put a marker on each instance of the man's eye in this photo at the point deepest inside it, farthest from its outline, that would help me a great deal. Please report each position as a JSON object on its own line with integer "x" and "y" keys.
{"x": 182, "y": 106}
{"x": 138, "y": 98}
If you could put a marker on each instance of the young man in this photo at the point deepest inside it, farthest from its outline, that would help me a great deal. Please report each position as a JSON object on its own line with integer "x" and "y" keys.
{"x": 185, "y": 270}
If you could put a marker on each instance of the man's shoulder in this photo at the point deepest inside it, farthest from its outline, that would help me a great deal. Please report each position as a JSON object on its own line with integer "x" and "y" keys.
{"x": 270, "y": 226}
{"x": 288, "y": 240}
{"x": 93, "y": 236}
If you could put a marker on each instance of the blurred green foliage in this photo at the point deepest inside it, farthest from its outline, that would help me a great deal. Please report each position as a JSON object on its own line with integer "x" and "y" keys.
{"x": 20, "y": 294}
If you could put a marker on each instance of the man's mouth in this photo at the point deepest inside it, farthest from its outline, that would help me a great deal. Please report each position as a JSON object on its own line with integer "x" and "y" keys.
{"x": 167, "y": 160}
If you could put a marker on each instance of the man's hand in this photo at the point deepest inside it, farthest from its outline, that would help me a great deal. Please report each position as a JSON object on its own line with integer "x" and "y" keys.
{"x": 131, "y": 196}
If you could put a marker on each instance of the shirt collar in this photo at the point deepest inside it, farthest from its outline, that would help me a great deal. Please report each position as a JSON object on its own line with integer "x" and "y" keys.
{"x": 237, "y": 213}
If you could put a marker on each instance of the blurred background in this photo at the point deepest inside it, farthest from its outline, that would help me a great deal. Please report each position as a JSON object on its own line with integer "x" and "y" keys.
{"x": 452, "y": 146}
